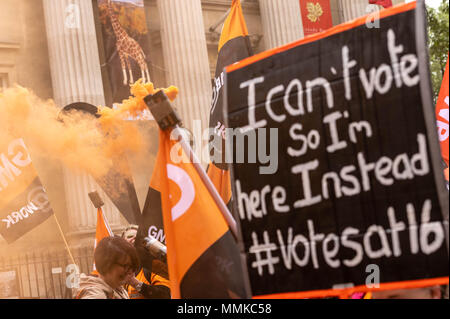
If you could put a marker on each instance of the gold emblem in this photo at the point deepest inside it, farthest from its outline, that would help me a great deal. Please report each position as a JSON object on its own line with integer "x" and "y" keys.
{"x": 314, "y": 11}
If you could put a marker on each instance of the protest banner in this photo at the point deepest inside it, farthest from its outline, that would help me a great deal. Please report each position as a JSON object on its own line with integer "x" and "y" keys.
{"x": 347, "y": 193}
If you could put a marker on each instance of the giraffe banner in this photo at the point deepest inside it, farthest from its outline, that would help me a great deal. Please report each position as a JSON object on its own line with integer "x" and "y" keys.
{"x": 126, "y": 44}
{"x": 102, "y": 231}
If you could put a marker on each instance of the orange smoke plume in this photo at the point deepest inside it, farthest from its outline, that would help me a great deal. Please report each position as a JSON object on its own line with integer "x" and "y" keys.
{"x": 79, "y": 141}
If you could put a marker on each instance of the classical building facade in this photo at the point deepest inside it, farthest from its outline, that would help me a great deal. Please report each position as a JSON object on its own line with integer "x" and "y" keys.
{"x": 41, "y": 51}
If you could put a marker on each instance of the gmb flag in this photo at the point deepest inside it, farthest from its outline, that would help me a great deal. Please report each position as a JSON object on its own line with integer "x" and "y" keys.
{"x": 152, "y": 221}
{"x": 23, "y": 201}
{"x": 126, "y": 44}
{"x": 203, "y": 257}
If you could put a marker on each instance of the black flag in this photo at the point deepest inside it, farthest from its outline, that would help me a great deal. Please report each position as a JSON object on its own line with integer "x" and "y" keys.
{"x": 118, "y": 185}
{"x": 234, "y": 45}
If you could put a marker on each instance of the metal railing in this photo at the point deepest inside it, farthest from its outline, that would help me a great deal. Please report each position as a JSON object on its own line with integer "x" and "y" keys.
{"x": 42, "y": 274}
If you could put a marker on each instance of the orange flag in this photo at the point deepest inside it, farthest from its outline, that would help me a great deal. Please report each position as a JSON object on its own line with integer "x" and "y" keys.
{"x": 197, "y": 235}
{"x": 221, "y": 180}
{"x": 442, "y": 115}
{"x": 103, "y": 230}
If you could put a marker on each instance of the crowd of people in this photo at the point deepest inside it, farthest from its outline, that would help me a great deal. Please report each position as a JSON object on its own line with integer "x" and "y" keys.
{"x": 126, "y": 270}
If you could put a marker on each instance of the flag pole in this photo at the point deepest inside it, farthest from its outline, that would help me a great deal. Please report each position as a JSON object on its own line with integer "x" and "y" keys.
{"x": 167, "y": 118}
{"x": 64, "y": 239}
{"x": 221, "y": 20}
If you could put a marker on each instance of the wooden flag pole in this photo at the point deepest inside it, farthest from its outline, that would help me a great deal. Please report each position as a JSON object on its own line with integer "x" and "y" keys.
{"x": 221, "y": 20}
{"x": 65, "y": 241}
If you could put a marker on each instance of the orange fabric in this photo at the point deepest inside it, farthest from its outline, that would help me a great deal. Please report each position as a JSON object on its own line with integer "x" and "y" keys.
{"x": 221, "y": 180}
{"x": 314, "y": 37}
{"x": 192, "y": 220}
{"x": 341, "y": 292}
{"x": 234, "y": 26}
{"x": 442, "y": 115}
{"x": 103, "y": 230}
{"x": 156, "y": 280}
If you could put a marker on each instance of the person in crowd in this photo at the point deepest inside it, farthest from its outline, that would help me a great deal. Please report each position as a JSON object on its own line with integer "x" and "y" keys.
{"x": 433, "y": 292}
{"x": 151, "y": 280}
{"x": 116, "y": 261}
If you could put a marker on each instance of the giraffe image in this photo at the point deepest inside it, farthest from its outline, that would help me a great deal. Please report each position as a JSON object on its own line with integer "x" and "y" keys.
{"x": 127, "y": 48}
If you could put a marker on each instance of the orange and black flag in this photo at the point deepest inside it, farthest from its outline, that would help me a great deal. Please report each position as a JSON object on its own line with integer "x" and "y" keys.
{"x": 103, "y": 230}
{"x": 234, "y": 45}
{"x": 24, "y": 203}
{"x": 203, "y": 257}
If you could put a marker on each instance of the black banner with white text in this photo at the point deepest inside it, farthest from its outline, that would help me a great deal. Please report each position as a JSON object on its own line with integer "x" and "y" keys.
{"x": 346, "y": 182}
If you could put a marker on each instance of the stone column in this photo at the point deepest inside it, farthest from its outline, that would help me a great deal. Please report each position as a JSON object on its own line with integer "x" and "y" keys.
{"x": 186, "y": 58}
{"x": 282, "y": 22}
{"x": 76, "y": 77}
{"x": 352, "y": 9}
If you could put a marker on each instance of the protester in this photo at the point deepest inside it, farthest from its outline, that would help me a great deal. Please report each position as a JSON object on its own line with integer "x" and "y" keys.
{"x": 151, "y": 281}
{"x": 433, "y": 292}
{"x": 116, "y": 261}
